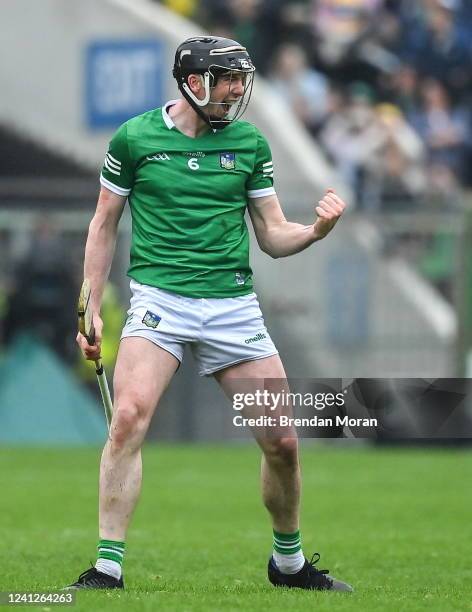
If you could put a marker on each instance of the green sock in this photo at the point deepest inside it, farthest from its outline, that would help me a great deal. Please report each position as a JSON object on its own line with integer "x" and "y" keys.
{"x": 110, "y": 557}
{"x": 287, "y": 553}
{"x": 287, "y": 543}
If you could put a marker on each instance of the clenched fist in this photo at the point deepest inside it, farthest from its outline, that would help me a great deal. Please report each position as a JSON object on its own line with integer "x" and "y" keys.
{"x": 328, "y": 211}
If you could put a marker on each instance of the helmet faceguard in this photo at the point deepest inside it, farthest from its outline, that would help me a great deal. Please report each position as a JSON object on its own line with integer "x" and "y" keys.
{"x": 211, "y": 57}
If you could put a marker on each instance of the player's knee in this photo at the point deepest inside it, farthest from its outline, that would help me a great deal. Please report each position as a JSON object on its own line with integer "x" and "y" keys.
{"x": 281, "y": 450}
{"x": 128, "y": 426}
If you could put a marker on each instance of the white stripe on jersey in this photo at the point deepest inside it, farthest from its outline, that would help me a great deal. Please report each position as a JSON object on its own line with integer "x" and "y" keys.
{"x": 269, "y": 163}
{"x": 112, "y": 187}
{"x": 108, "y": 167}
{"x": 261, "y": 193}
{"x": 112, "y": 163}
{"x": 267, "y": 168}
{"x": 113, "y": 159}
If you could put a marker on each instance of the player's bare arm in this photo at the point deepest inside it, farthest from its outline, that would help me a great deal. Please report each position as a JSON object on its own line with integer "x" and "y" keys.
{"x": 280, "y": 238}
{"x": 99, "y": 252}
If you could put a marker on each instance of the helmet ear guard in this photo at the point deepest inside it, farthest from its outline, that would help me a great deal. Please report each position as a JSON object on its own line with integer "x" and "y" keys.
{"x": 209, "y": 57}
{"x": 207, "y": 86}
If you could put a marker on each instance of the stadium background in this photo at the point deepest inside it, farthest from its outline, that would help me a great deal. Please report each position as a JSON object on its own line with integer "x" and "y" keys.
{"x": 370, "y": 96}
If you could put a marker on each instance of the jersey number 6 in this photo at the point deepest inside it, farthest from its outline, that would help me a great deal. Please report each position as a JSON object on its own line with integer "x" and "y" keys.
{"x": 193, "y": 164}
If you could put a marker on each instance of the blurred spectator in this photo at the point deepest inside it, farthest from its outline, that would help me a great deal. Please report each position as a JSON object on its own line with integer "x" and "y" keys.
{"x": 43, "y": 294}
{"x": 339, "y": 24}
{"x": 375, "y": 150}
{"x": 443, "y": 129}
{"x": 245, "y": 17}
{"x": 295, "y": 22}
{"x": 260, "y": 25}
{"x": 352, "y": 137}
{"x": 441, "y": 46}
{"x": 395, "y": 177}
{"x": 402, "y": 89}
{"x": 304, "y": 89}
{"x": 256, "y": 24}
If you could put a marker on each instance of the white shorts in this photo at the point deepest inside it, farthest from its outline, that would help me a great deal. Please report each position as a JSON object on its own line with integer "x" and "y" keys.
{"x": 220, "y": 331}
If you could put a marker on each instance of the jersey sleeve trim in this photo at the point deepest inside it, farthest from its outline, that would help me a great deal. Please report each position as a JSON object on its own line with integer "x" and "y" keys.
{"x": 112, "y": 187}
{"x": 261, "y": 193}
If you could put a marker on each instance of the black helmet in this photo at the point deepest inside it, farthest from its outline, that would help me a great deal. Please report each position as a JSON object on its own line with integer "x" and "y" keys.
{"x": 211, "y": 56}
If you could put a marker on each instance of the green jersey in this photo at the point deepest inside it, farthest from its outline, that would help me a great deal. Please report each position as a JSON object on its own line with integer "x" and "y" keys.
{"x": 187, "y": 198}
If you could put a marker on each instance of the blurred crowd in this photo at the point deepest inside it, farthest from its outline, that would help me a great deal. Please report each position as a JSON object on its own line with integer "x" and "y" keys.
{"x": 384, "y": 86}
{"x": 38, "y": 296}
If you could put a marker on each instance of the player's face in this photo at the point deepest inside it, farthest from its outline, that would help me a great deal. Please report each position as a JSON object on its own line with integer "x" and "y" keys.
{"x": 228, "y": 90}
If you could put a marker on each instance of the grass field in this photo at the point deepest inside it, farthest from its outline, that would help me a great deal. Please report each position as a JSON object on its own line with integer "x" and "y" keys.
{"x": 394, "y": 523}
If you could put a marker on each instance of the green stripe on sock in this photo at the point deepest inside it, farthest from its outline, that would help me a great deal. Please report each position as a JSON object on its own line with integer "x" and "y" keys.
{"x": 286, "y": 537}
{"x": 111, "y": 550}
{"x": 287, "y": 543}
{"x": 288, "y": 551}
{"x": 110, "y": 556}
{"x": 111, "y": 544}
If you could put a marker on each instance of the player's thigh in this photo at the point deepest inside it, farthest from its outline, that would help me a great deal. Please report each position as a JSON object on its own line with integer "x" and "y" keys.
{"x": 142, "y": 373}
{"x": 250, "y": 377}
{"x": 267, "y": 374}
{"x": 257, "y": 369}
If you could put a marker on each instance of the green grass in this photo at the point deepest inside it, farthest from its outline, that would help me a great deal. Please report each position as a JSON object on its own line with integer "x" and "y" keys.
{"x": 394, "y": 523}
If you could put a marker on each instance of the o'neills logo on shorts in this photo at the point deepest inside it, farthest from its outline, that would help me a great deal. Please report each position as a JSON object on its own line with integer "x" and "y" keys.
{"x": 259, "y": 336}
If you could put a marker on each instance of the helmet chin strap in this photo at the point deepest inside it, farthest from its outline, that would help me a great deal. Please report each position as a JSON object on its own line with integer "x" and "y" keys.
{"x": 198, "y": 104}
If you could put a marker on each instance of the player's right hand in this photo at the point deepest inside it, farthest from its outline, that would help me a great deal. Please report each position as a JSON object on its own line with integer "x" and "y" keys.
{"x": 92, "y": 351}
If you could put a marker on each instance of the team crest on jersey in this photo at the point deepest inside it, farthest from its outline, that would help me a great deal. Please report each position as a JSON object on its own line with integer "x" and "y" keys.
{"x": 240, "y": 278}
{"x": 228, "y": 161}
{"x": 151, "y": 320}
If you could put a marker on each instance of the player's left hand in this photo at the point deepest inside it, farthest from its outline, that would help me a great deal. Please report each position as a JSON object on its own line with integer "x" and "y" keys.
{"x": 328, "y": 211}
